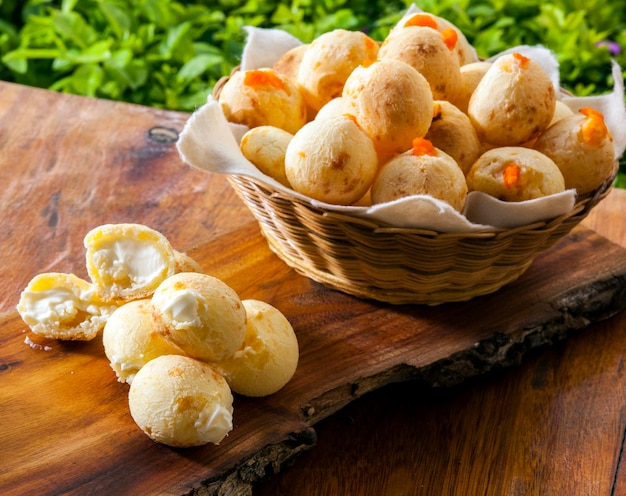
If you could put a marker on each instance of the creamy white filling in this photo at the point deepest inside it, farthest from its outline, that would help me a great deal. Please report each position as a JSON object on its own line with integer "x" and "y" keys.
{"x": 126, "y": 368}
{"x": 245, "y": 353}
{"x": 214, "y": 424}
{"x": 183, "y": 308}
{"x": 52, "y": 305}
{"x": 125, "y": 363}
{"x": 131, "y": 260}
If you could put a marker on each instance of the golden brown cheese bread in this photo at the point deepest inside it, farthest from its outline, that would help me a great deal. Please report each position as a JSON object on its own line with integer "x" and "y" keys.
{"x": 515, "y": 174}
{"x": 181, "y": 402}
{"x": 63, "y": 306}
{"x": 263, "y": 97}
{"x": 130, "y": 341}
{"x": 329, "y": 60}
{"x": 185, "y": 263}
{"x": 423, "y": 171}
{"x": 582, "y": 147}
{"x": 471, "y": 74}
{"x": 127, "y": 261}
{"x": 431, "y": 53}
{"x": 392, "y": 103}
{"x": 561, "y": 110}
{"x": 333, "y": 108}
{"x": 513, "y": 103}
{"x": 331, "y": 160}
{"x": 265, "y": 147}
{"x": 463, "y": 48}
{"x": 268, "y": 357}
{"x": 200, "y": 314}
{"x": 452, "y": 131}
{"x": 289, "y": 63}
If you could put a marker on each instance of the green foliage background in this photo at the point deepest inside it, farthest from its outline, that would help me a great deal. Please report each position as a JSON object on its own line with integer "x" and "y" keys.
{"x": 169, "y": 54}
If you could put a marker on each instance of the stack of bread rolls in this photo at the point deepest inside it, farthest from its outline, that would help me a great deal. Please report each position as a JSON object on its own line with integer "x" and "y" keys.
{"x": 415, "y": 114}
{"x": 183, "y": 340}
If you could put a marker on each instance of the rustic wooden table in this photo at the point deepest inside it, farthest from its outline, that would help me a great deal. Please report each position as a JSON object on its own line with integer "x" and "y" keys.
{"x": 552, "y": 425}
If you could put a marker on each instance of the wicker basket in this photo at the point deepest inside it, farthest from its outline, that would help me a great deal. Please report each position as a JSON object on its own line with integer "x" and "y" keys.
{"x": 399, "y": 265}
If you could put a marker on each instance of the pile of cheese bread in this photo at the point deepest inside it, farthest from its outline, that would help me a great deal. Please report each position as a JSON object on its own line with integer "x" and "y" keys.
{"x": 350, "y": 121}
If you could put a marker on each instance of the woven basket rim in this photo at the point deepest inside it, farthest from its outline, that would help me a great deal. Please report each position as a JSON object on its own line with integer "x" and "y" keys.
{"x": 376, "y": 226}
{"x": 343, "y": 252}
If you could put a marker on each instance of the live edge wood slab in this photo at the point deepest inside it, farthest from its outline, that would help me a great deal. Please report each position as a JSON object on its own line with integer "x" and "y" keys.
{"x": 65, "y": 425}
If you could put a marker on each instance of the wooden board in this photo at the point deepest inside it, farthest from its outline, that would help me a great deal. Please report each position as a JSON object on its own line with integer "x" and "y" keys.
{"x": 69, "y": 163}
{"x": 65, "y": 422}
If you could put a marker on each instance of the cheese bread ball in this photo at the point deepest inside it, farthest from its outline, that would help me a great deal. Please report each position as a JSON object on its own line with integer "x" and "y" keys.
{"x": 333, "y": 108}
{"x": 561, "y": 110}
{"x": 328, "y": 62}
{"x": 515, "y": 174}
{"x": 471, "y": 74}
{"x": 331, "y": 160}
{"x": 127, "y": 261}
{"x": 289, "y": 63}
{"x": 265, "y": 147}
{"x": 263, "y": 97}
{"x": 582, "y": 147}
{"x": 452, "y": 131}
{"x": 391, "y": 102}
{"x": 269, "y": 355}
{"x": 464, "y": 50}
{"x": 431, "y": 53}
{"x": 63, "y": 306}
{"x": 513, "y": 103}
{"x": 185, "y": 263}
{"x": 130, "y": 340}
{"x": 200, "y": 314}
{"x": 181, "y": 402}
{"x": 423, "y": 171}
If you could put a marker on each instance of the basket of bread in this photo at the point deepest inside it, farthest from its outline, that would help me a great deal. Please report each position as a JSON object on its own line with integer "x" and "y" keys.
{"x": 407, "y": 170}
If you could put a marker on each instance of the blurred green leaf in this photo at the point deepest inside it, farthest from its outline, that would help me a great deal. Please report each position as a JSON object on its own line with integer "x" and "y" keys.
{"x": 16, "y": 63}
{"x": 197, "y": 66}
{"x": 118, "y": 18}
{"x": 68, "y": 5}
{"x": 73, "y": 28}
{"x": 169, "y": 53}
{"x": 88, "y": 79}
{"x": 175, "y": 36}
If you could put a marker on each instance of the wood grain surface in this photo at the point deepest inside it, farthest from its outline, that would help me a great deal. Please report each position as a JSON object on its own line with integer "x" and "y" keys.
{"x": 552, "y": 426}
{"x": 69, "y": 163}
